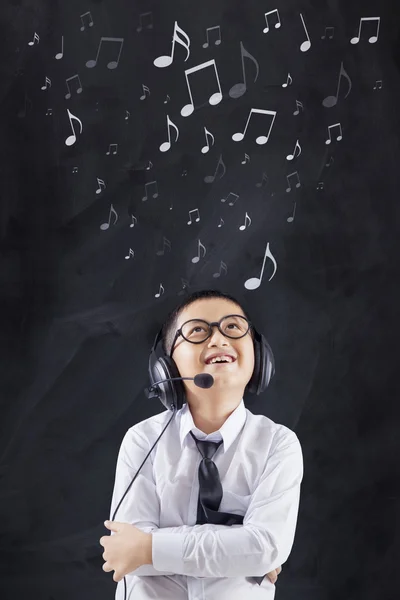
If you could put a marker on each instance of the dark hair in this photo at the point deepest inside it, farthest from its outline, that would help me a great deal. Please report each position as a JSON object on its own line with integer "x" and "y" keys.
{"x": 171, "y": 324}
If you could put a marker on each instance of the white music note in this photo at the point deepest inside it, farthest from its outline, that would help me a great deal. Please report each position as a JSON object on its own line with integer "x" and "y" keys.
{"x": 373, "y": 38}
{"x": 133, "y": 219}
{"x": 339, "y": 136}
{"x": 166, "y": 243}
{"x": 292, "y": 156}
{"x": 72, "y": 138}
{"x": 307, "y": 44}
{"x": 47, "y": 81}
{"x": 287, "y": 81}
{"x": 89, "y": 15}
{"x": 105, "y": 226}
{"x": 166, "y": 61}
{"x": 165, "y": 146}
{"x": 59, "y": 55}
{"x": 217, "y": 41}
{"x": 159, "y": 291}
{"x": 254, "y": 282}
{"x": 330, "y": 101}
{"x": 213, "y": 99}
{"x": 113, "y": 64}
{"x": 289, "y": 189}
{"x": 113, "y": 148}
{"x": 197, "y": 218}
{"x": 270, "y": 12}
{"x": 101, "y": 183}
{"x": 239, "y": 89}
{"x": 145, "y": 89}
{"x": 131, "y": 253}
{"x": 196, "y": 259}
{"x": 243, "y": 227}
{"x": 232, "y": 202}
{"x": 222, "y": 266}
{"x": 78, "y": 89}
{"x": 211, "y": 178}
{"x": 36, "y": 40}
{"x": 205, "y": 149}
{"x": 262, "y": 139}
{"x": 155, "y": 195}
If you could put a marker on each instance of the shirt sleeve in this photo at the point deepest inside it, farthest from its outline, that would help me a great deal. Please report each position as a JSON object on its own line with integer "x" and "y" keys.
{"x": 140, "y": 506}
{"x": 265, "y": 539}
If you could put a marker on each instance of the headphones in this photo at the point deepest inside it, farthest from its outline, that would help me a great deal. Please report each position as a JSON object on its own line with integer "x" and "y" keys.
{"x": 172, "y": 393}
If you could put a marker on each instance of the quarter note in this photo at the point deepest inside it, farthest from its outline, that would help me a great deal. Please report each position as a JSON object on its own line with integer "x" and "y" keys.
{"x": 105, "y": 226}
{"x": 72, "y": 138}
{"x": 373, "y": 38}
{"x": 214, "y": 98}
{"x": 166, "y": 61}
{"x": 205, "y": 149}
{"x": 217, "y": 41}
{"x": 211, "y": 178}
{"x": 262, "y": 139}
{"x": 307, "y": 44}
{"x": 165, "y": 146}
{"x": 89, "y": 15}
{"x": 78, "y": 89}
{"x": 113, "y": 64}
{"x": 196, "y": 259}
{"x": 271, "y": 12}
{"x": 254, "y": 282}
{"x": 197, "y": 218}
{"x": 239, "y": 89}
{"x": 291, "y": 218}
{"x": 330, "y": 101}
{"x": 59, "y": 55}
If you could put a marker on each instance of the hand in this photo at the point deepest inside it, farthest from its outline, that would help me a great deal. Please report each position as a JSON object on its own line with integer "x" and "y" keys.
{"x": 273, "y": 575}
{"x": 125, "y": 551}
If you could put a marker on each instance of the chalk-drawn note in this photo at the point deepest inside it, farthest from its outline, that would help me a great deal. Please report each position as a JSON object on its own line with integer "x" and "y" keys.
{"x": 185, "y": 284}
{"x": 211, "y": 178}
{"x": 78, "y": 89}
{"x": 263, "y": 181}
{"x": 113, "y": 64}
{"x": 59, "y": 55}
{"x": 229, "y": 197}
{"x": 159, "y": 291}
{"x": 113, "y": 148}
{"x": 379, "y": 84}
{"x": 133, "y": 219}
{"x": 240, "y": 88}
{"x": 291, "y": 218}
{"x": 262, "y": 139}
{"x": 222, "y": 266}
{"x": 296, "y": 148}
{"x": 289, "y": 189}
{"x": 128, "y": 114}
{"x": 331, "y": 160}
{"x": 299, "y": 105}
{"x": 155, "y": 186}
{"x": 184, "y": 40}
{"x": 339, "y": 136}
{"x": 254, "y": 282}
{"x": 49, "y": 112}
{"x": 214, "y": 98}
{"x": 271, "y": 12}
{"x": 165, "y": 146}
{"x": 246, "y": 159}
{"x": 36, "y": 40}
{"x": 287, "y": 81}
{"x": 149, "y": 166}
{"x": 247, "y": 218}
{"x": 75, "y": 170}
{"x": 218, "y": 40}
{"x": 222, "y": 222}
{"x": 197, "y": 218}
{"x": 90, "y": 19}
{"x": 131, "y": 253}
{"x": 72, "y": 138}
{"x": 196, "y": 259}
{"x": 47, "y": 82}
{"x": 166, "y": 243}
{"x": 307, "y": 44}
{"x": 105, "y": 226}
{"x": 332, "y": 100}
{"x": 329, "y": 33}
{"x": 320, "y": 185}
{"x": 100, "y": 183}
{"x": 145, "y": 89}
{"x": 206, "y": 148}
{"x": 167, "y": 99}
{"x": 147, "y": 16}
{"x": 373, "y": 38}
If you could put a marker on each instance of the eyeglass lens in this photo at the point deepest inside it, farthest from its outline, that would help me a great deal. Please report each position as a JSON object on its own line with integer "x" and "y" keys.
{"x": 231, "y": 326}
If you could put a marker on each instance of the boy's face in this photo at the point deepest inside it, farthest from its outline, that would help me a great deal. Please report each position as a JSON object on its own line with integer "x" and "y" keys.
{"x": 190, "y": 358}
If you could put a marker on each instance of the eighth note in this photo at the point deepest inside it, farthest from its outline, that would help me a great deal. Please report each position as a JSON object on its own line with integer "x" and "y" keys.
{"x": 159, "y": 291}
{"x": 261, "y": 139}
{"x": 196, "y": 259}
{"x": 72, "y": 138}
{"x": 165, "y": 146}
{"x": 292, "y": 156}
{"x": 205, "y": 149}
{"x": 105, "y": 226}
{"x": 243, "y": 227}
{"x": 254, "y": 282}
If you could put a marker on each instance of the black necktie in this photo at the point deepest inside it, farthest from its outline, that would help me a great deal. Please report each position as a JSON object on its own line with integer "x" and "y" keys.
{"x": 210, "y": 492}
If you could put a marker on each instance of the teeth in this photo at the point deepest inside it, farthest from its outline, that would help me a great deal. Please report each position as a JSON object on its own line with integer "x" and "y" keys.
{"x": 220, "y": 359}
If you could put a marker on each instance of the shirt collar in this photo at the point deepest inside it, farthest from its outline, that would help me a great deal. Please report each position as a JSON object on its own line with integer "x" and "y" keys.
{"x": 227, "y": 432}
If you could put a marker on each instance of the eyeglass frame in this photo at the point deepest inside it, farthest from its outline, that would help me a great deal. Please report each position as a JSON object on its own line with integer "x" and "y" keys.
{"x": 211, "y": 325}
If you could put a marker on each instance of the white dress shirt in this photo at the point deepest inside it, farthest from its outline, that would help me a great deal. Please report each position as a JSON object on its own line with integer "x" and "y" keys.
{"x": 261, "y": 468}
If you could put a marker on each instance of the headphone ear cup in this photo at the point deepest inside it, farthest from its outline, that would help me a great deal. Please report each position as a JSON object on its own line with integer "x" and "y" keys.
{"x": 264, "y": 365}
{"x": 171, "y": 392}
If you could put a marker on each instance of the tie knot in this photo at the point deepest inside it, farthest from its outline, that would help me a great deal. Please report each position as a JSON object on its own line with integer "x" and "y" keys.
{"x": 206, "y": 448}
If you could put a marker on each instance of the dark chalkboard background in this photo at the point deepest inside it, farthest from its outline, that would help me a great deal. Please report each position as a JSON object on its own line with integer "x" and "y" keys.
{"x": 81, "y": 261}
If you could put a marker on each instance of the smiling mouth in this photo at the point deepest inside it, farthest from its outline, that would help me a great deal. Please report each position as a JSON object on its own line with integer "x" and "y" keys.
{"x": 220, "y": 364}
